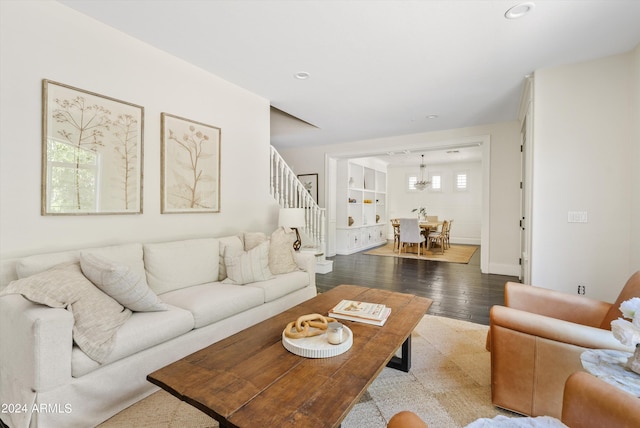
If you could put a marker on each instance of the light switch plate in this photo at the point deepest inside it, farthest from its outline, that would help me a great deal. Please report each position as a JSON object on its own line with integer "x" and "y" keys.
{"x": 577, "y": 217}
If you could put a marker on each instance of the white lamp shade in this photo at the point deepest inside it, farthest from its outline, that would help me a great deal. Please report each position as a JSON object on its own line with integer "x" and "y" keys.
{"x": 291, "y": 217}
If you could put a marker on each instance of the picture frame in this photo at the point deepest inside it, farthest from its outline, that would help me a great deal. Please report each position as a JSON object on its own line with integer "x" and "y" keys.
{"x": 92, "y": 152}
{"x": 310, "y": 182}
{"x": 190, "y": 166}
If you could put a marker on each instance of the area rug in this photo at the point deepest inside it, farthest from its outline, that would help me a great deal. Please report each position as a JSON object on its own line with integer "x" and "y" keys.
{"x": 454, "y": 254}
{"x": 448, "y": 386}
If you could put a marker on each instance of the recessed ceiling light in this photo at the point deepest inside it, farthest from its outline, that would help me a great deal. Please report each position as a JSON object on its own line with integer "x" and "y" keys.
{"x": 302, "y": 75}
{"x": 432, "y": 116}
{"x": 519, "y": 10}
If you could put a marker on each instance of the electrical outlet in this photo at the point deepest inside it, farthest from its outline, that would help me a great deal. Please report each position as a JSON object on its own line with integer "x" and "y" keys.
{"x": 581, "y": 290}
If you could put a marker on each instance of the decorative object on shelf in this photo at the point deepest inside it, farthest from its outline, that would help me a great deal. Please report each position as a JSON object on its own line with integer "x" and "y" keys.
{"x": 350, "y": 221}
{"x": 92, "y": 152}
{"x": 367, "y": 201}
{"x": 352, "y": 200}
{"x": 422, "y": 183}
{"x": 310, "y": 182}
{"x": 190, "y": 166}
{"x": 350, "y": 181}
{"x": 292, "y": 218}
{"x": 377, "y": 218}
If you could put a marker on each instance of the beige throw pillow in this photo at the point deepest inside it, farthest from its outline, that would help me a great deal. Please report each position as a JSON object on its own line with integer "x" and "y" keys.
{"x": 253, "y": 239}
{"x": 248, "y": 266}
{"x": 127, "y": 287}
{"x": 97, "y": 316}
{"x": 281, "y": 252}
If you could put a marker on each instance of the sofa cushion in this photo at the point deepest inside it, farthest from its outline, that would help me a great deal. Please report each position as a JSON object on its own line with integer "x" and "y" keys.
{"x": 213, "y": 302}
{"x": 234, "y": 245}
{"x": 282, "y": 285}
{"x": 142, "y": 331}
{"x": 174, "y": 265}
{"x": 122, "y": 283}
{"x": 248, "y": 266}
{"x": 281, "y": 251}
{"x": 97, "y": 316}
{"x": 253, "y": 239}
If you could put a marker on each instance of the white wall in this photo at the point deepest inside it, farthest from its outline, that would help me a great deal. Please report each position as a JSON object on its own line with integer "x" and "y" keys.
{"x": 46, "y": 40}
{"x": 635, "y": 161}
{"x": 585, "y": 158}
{"x": 464, "y": 207}
{"x": 504, "y": 174}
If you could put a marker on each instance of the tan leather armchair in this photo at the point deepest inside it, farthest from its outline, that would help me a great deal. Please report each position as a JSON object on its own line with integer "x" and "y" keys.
{"x": 587, "y": 402}
{"x": 536, "y": 340}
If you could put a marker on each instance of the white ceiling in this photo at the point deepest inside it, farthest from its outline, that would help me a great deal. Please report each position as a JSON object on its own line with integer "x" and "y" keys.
{"x": 377, "y": 68}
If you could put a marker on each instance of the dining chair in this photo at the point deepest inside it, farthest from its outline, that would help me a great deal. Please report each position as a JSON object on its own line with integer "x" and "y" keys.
{"x": 446, "y": 238}
{"x": 432, "y": 218}
{"x": 395, "y": 223}
{"x": 438, "y": 237}
{"x": 410, "y": 233}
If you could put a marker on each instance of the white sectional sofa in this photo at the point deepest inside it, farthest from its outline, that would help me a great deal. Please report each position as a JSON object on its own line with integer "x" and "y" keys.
{"x": 203, "y": 290}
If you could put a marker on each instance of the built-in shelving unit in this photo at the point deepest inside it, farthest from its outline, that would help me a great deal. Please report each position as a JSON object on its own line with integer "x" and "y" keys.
{"x": 361, "y": 208}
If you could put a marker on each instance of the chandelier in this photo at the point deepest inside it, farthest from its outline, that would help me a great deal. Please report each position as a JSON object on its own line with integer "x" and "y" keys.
{"x": 422, "y": 183}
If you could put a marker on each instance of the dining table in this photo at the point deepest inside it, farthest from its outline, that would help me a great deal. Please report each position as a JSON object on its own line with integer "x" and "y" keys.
{"x": 429, "y": 226}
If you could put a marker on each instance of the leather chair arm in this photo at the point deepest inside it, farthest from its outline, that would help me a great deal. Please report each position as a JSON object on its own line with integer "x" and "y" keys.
{"x": 555, "y": 304}
{"x": 591, "y": 402}
{"x": 554, "y": 329}
{"x": 406, "y": 419}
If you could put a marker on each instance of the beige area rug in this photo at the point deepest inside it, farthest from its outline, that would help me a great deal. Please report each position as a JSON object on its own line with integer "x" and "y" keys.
{"x": 448, "y": 386}
{"x": 455, "y": 254}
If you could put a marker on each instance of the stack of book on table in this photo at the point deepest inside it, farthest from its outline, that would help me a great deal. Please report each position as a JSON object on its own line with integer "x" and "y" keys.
{"x": 369, "y": 313}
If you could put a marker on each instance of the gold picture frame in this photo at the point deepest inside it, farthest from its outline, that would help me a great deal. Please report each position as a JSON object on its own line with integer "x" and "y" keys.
{"x": 92, "y": 152}
{"x": 190, "y": 170}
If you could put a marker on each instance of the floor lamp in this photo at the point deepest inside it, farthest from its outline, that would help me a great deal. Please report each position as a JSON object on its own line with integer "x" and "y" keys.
{"x": 292, "y": 218}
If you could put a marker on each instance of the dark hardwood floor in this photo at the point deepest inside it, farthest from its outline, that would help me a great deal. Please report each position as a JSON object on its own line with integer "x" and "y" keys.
{"x": 458, "y": 291}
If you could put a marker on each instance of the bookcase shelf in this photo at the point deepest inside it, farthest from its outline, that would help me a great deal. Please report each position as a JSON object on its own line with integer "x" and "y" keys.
{"x": 361, "y": 207}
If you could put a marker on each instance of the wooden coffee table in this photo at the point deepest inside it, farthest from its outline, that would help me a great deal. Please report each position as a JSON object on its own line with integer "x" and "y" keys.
{"x": 250, "y": 380}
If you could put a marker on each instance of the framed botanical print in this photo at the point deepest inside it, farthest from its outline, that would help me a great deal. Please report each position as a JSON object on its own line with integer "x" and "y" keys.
{"x": 91, "y": 152}
{"x": 190, "y": 170}
{"x": 310, "y": 182}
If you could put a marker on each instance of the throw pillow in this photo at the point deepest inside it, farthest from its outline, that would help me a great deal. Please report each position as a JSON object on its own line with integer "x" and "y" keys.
{"x": 97, "y": 316}
{"x": 122, "y": 283}
{"x": 253, "y": 239}
{"x": 281, "y": 252}
{"x": 230, "y": 245}
{"x": 248, "y": 266}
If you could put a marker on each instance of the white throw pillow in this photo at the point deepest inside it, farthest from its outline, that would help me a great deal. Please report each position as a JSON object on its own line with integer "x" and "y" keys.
{"x": 250, "y": 266}
{"x": 122, "y": 283}
{"x": 97, "y": 316}
{"x": 281, "y": 258}
{"x": 230, "y": 245}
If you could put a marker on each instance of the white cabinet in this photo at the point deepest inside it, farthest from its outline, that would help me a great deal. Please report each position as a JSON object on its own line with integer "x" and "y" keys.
{"x": 361, "y": 209}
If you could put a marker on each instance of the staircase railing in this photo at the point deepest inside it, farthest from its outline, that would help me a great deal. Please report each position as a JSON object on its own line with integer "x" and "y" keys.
{"x": 289, "y": 192}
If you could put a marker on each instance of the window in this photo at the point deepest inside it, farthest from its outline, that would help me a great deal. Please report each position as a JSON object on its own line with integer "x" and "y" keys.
{"x": 436, "y": 182}
{"x": 411, "y": 182}
{"x": 461, "y": 181}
